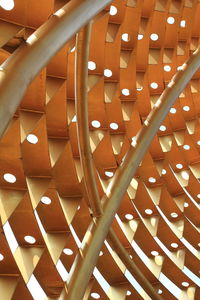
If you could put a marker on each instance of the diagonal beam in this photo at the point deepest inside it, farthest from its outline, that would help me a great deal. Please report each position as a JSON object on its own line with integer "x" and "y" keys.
{"x": 81, "y": 100}
{"x": 83, "y": 268}
{"x": 28, "y": 60}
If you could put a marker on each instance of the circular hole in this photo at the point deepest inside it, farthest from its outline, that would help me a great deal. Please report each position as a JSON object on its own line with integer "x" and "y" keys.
{"x": 183, "y": 23}
{"x": 154, "y": 85}
{"x": 91, "y": 65}
{"x": 186, "y": 204}
{"x": 129, "y": 217}
{"x": 128, "y": 293}
{"x": 114, "y": 126}
{"x": 126, "y": 92}
{"x": 185, "y": 284}
{"x": 139, "y": 88}
{"x": 1, "y": 257}
{"x": 95, "y": 124}
{"x": 125, "y": 37}
{"x": 32, "y": 138}
{"x": 163, "y": 172}
{"x": 174, "y": 215}
{"x": 198, "y": 196}
{"x": 186, "y": 108}
{"x": 159, "y": 291}
{"x": 170, "y": 20}
{"x": 67, "y": 251}
{"x": 179, "y": 68}
{"x": 9, "y": 178}
{"x": 95, "y": 295}
{"x": 186, "y": 147}
{"x": 131, "y": 257}
{"x": 46, "y": 200}
{"x": 167, "y": 68}
{"x": 107, "y": 73}
{"x": 148, "y": 211}
{"x": 174, "y": 245}
{"x": 152, "y": 179}
{"x": 154, "y": 37}
{"x": 172, "y": 110}
{"x": 179, "y": 166}
{"x": 113, "y": 10}
{"x": 7, "y": 4}
{"x": 100, "y": 253}
{"x": 109, "y": 174}
{"x": 30, "y": 239}
{"x": 154, "y": 253}
{"x": 162, "y": 128}
{"x": 198, "y": 143}
{"x": 140, "y": 36}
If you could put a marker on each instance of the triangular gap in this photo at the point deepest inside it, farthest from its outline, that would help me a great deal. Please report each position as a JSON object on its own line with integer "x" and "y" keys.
{"x": 56, "y": 148}
{"x": 28, "y": 122}
{"x": 55, "y": 243}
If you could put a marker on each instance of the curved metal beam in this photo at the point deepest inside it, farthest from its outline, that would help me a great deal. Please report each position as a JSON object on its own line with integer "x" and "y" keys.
{"x": 81, "y": 101}
{"x": 28, "y": 60}
{"x": 83, "y": 268}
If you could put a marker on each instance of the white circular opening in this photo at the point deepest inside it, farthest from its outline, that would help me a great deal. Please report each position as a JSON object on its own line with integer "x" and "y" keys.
{"x": 198, "y": 143}
{"x": 163, "y": 172}
{"x": 95, "y": 124}
{"x": 154, "y": 253}
{"x": 185, "y": 284}
{"x": 174, "y": 245}
{"x": 129, "y": 217}
{"x": 30, "y": 239}
{"x": 114, "y": 126}
{"x": 128, "y": 293}
{"x": 107, "y": 73}
{"x": 174, "y": 215}
{"x": 148, "y": 211}
{"x": 100, "y": 253}
{"x": 198, "y": 196}
{"x": 91, "y": 65}
{"x": 186, "y": 108}
{"x": 68, "y": 251}
{"x": 1, "y": 257}
{"x": 172, "y": 110}
{"x": 139, "y": 88}
{"x": 9, "y": 178}
{"x": 46, "y": 200}
{"x": 162, "y": 128}
{"x": 140, "y": 36}
{"x": 154, "y": 85}
{"x": 125, "y": 92}
{"x": 159, "y": 291}
{"x": 152, "y": 179}
{"x": 185, "y": 175}
{"x": 7, "y": 4}
{"x": 109, "y": 174}
{"x": 154, "y": 36}
{"x": 179, "y": 166}
{"x": 167, "y": 68}
{"x": 32, "y": 138}
{"x": 113, "y": 10}
{"x": 186, "y": 204}
{"x": 125, "y": 37}
{"x": 186, "y": 147}
{"x": 183, "y": 23}
{"x": 170, "y": 20}
{"x": 95, "y": 295}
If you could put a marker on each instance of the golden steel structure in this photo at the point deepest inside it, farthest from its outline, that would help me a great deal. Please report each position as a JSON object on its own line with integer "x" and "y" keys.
{"x": 99, "y": 149}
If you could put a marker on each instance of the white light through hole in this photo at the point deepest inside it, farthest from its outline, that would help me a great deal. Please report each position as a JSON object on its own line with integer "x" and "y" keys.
{"x": 186, "y": 108}
{"x": 1, "y": 257}
{"x": 170, "y": 20}
{"x": 95, "y": 124}
{"x": 91, "y": 65}
{"x": 129, "y": 216}
{"x": 174, "y": 215}
{"x": 114, "y": 126}
{"x": 32, "y": 138}
{"x": 109, "y": 174}
{"x": 126, "y": 92}
{"x": 67, "y": 251}
{"x": 46, "y": 200}
{"x": 152, "y": 179}
{"x": 162, "y": 128}
{"x": 154, "y": 37}
{"x": 128, "y": 293}
{"x": 30, "y": 239}
{"x": 164, "y": 172}
{"x": 107, "y": 73}
{"x": 140, "y": 36}
{"x": 179, "y": 166}
{"x": 167, "y": 68}
{"x": 185, "y": 175}
{"x": 100, "y": 253}
{"x": 7, "y": 4}
{"x": 9, "y": 177}
{"x": 198, "y": 143}
{"x": 183, "y": 23}
{"x": 172, "y": 110}
{"x": 95, "y": 295}
{"x": 148, "y": 211}
{"x": 174, "y": 245}
{"x": 185, "y": 284}
{"x": 154, "y": 85}
{"x": 113, "y": 10}
{"x": 186, "y": 204}
{"x": 160, "y": 291}
{"x": 125, "y": 37}
{"x": 154, "y": 253}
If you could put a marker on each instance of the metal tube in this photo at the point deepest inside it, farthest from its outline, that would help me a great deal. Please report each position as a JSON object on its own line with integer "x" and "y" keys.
{"x": 121, "y": 180}
{"x": 27, "y": 61}
{"x": 81, "y": 101}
